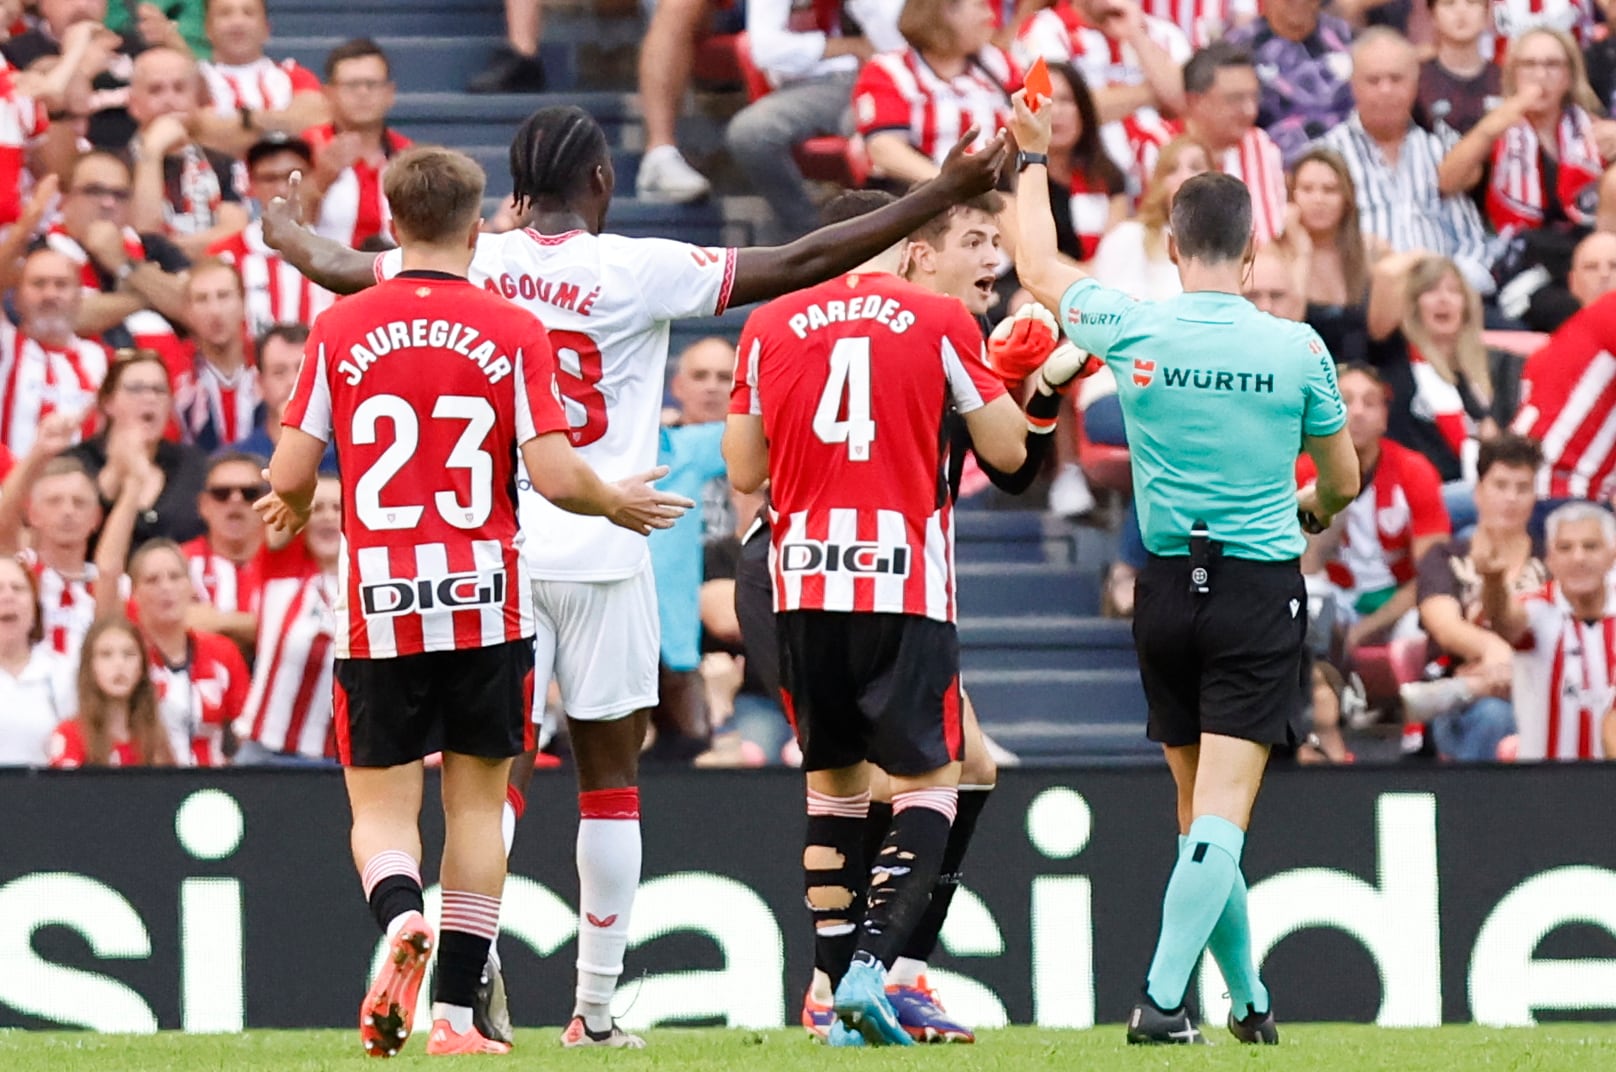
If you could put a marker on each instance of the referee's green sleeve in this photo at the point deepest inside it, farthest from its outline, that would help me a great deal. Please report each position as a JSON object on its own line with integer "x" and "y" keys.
{"x": 1091, "y": 316}
{"x": 1324, "y": 413}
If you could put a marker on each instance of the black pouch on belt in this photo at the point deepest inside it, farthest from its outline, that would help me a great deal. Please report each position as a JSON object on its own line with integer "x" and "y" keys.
{"x": 1203, "y": 555}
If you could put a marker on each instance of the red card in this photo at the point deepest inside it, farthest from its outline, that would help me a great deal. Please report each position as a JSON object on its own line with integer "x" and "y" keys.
{"x": 1037, "y": 83}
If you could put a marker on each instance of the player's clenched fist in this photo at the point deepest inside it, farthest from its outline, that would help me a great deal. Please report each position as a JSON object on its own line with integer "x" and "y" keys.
{"x": 1021, "y": 342}
{"x": 641, "y": 506}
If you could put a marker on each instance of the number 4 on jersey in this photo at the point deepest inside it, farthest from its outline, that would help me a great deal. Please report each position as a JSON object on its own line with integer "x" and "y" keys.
{"x": 849, "y": 380}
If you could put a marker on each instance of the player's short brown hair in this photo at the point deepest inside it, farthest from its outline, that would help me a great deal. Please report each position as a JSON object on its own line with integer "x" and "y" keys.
{"x": 435, "y": 194}
{"x": 934, "y": 230}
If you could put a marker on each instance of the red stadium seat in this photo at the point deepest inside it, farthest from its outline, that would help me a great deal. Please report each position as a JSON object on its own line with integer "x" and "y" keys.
{"x": 1386, "y": 667}
{"x": 1106, "y": 465}
{"x": 828, "y": 158}
{"x": 718, "y": 61}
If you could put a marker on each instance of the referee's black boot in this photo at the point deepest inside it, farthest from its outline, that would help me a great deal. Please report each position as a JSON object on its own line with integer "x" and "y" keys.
{"x": 1150, "y": 1026}
{"x": 1255, "y": 1028}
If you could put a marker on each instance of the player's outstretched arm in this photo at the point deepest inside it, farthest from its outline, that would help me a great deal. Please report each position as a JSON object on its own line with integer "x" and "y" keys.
{"x": 330, "y": 264}
{"x": 766, "y": 272}
{"x": 293, "y": 472}
{"x": 1038, "y": 262}
{"x": 561, "y": 475}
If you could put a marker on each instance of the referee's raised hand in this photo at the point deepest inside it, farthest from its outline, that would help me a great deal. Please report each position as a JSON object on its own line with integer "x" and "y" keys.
{"x": 1030, "y": 129}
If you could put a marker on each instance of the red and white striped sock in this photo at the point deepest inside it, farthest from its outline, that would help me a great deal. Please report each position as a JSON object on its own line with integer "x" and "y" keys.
{"x": 470, "y": 921}
{"x": 608, "y": 876}
{"x": 392, "y": 883}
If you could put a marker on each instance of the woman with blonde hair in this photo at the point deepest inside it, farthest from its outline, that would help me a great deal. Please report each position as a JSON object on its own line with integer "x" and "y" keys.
{"x": 1132, "y": 257}
{"x": 1542, "y": 151}
{"x": 1449, "y": 392}
{"x": 1332, "y": 255}
{"x": 117, "y": 723}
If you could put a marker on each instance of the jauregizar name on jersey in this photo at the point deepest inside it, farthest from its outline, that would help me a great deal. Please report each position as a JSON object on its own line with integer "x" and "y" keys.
{"x": 882, "y": 310}
{"x": 419, "y": 334}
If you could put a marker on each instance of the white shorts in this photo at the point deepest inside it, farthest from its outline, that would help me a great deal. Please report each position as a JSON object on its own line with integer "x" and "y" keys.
{"x": 601, "y": 640}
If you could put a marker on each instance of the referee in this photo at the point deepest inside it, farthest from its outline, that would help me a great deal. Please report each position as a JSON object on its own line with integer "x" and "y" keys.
{"x": 1218, "y": 398}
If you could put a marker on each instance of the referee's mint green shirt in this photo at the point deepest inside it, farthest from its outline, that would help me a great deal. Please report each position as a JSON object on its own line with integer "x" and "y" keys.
{"x": 1217, "y": 396}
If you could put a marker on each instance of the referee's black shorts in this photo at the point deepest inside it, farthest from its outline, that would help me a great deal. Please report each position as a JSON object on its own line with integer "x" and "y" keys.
{"x": 1228, "y": 662}
{"x": 754, "y": 609}
{"x": 472, "y": 701}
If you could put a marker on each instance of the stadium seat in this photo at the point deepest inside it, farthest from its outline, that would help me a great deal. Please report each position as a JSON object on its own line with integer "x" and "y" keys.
{"x": 718, "y": 61}
{"x": 1386, "y": 667}
{"x": 1106, "y": 465}
{"x": 828, "y": 158}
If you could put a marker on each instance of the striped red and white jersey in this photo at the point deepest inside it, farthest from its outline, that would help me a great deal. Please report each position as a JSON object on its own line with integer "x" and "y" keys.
{"x": 1565, "y": 679}
{"x": 149, "y": 329}
{"x": 228, "y": 586}
{"x": 1568, "y": 404}
{"x": 214, "y": 408}
{"x": 67, "y": 603}
{"x": 289, "y": 708}
{"x": 37, "y": 380}
{"x": 1202, "y": 21}
{"x": 276, "y": 292}
{"x": 853, "y": 379}
{"x": 198, "y": 699}
{"x": 1256, "y": 161}
{"x": 607, "y": 302}
{"x": 1401, "y": 503}
{"x": 354, "y": 209}
{"x": 1061, "y": 33}
{"x": 427, "y": 384}
{"x": 22, "y": 123}
{"x": 898, "y": 91}
{"x": 1513, "y": 18}
{"x": 262, "y": 85}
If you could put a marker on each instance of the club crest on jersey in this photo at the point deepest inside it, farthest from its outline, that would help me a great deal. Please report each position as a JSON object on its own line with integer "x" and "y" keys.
{"x": 1143, "y": 372}
{"x": 457, "y": 591}
{"x": 812, "y": 556}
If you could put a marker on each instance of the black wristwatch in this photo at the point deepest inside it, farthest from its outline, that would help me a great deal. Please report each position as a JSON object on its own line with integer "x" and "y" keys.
{"x": 1026, "y": 160}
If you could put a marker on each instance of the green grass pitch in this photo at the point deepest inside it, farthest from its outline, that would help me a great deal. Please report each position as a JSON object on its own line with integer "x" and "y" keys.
{"x": 1305, "y": 1048}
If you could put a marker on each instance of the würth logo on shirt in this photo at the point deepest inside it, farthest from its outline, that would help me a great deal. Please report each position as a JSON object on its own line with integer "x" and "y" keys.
{"x": 458, "y": 591}
{"x": 811, "y": 556}
{"x": 1143, "y": 372}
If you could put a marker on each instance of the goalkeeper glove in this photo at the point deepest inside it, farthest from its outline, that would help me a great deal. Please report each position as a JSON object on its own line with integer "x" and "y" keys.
{"x": 1021, "y": 342}
{"x": 1064, "y": 367}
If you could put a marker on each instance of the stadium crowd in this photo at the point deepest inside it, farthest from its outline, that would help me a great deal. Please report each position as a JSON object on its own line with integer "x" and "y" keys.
{"x": 1432, "y": 191}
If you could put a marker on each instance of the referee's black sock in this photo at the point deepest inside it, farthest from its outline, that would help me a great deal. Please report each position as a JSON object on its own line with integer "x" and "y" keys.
{"x": 902, "y": 875}
{"x": 923, "y": 941}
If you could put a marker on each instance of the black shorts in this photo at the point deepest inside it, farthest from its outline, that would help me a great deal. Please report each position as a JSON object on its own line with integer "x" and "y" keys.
{"x": 877, "y": 687}
{"x": 754, "y": 610}
{"x": 471, "y": 701}
{"x": 1228, "y": 662}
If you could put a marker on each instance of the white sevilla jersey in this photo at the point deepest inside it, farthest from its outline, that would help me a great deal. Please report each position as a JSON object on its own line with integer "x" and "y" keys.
{"x": 606, "y": 302}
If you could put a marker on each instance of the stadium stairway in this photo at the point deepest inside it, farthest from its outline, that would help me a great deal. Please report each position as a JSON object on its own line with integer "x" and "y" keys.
{"x": 1051, "y": 680}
